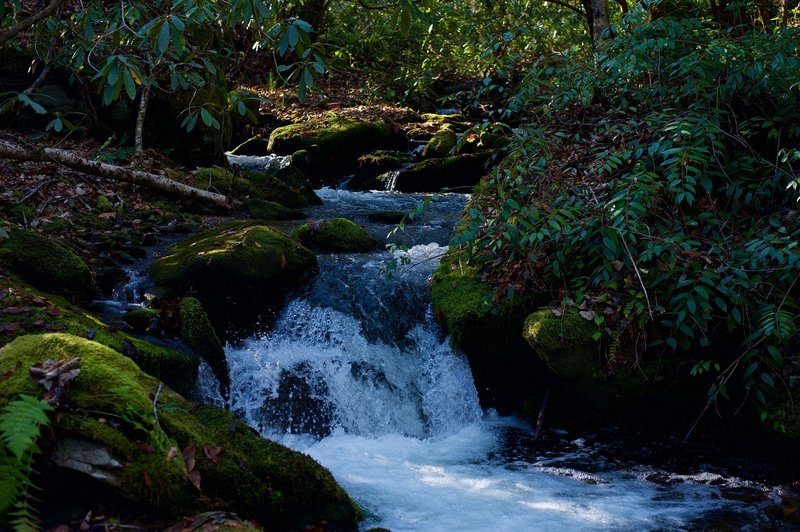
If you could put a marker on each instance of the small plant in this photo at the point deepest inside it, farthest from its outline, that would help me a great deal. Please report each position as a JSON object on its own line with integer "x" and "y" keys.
{"x": 21, "y": 423}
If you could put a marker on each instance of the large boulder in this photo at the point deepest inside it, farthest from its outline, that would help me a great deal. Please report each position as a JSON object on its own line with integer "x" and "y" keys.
{"x": 236, "y": 270}
{"x": 506, "y": 371}
{"x": 122, "y": 433}
{"x": 459, "y": 173}
{"x": 329, "y": 149}
{"x": 338, "y": 235}
{"x": 46, "y": 263}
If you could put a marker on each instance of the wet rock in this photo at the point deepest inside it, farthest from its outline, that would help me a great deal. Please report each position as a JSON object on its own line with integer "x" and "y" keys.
{"x": 460, "y": 173}
{"x": 338, "y": 235}
{"x": 200, "y": 336}
{"x": 186, "y": 462}
{"x": 46, "y": 263}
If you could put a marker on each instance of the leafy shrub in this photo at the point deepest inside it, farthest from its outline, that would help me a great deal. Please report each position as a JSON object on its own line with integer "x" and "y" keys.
{"x": 656, "y": 188}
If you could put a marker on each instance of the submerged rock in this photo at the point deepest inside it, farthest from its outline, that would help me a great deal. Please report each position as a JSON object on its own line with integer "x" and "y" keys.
{"x": 189, "y": 459}
{"x": 336, "y": 235}
{"x": 46, "y": 263}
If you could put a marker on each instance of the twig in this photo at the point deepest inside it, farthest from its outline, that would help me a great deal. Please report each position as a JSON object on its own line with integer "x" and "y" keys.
{"x": 540, "y": 420}
{"x": 155, "y": 409}
{"x": 638, "y": 275}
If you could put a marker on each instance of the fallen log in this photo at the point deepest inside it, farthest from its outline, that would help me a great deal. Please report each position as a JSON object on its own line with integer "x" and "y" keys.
{"x": 129, "y": 175}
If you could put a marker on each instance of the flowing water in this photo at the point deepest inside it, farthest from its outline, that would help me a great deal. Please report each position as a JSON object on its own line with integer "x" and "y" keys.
{"x": 357, "y": 374}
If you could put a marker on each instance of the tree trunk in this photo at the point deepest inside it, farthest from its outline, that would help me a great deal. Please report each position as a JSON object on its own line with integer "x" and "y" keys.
{"x": 137, "y": 177}
{"x": 139, "y": 134}
{"x": 600, "y": 24}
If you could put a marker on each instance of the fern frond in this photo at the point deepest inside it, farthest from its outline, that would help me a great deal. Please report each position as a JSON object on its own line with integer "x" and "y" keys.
{"x": 12, "y": 479}
{"x": 23, "y": 518}
{"x": 19, "y": 424}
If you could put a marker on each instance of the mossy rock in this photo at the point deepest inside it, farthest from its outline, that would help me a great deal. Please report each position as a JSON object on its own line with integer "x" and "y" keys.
{"x": 226, "y": 266}
{"x": 373, "y": 165}
{"x": 104, "y": 204}
{"x": 36, "y": 311}
{"x": 287, "y": 186}
{"x": 235, "y": 469}
{"x": 199, "y": 334}
{"x": 327, "y": 149}
{"x": 505, "y": 369}
{"x": 46, "y": 263}
{"x": 338, "y": 235}
{"x": 459, "y": 172}
{"x": 255, "y": 146}
{"x": 441, "y": 145}
{"x": 269, "y": 210}
{"x": 566, "y": 343}
{"x": 140, "y": 319}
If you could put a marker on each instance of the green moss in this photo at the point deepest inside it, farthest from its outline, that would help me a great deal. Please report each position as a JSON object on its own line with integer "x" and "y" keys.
{"x": 565, "y": 343}
{"x": 23, "y": 213}
{"x": 104, "y": 204}
{"x": 46, "y": 263}
{"x": 200, "y": 336}
{"x": 440, "y": 145}
{"x": 47, "y": 312}
{"x": 55, "y": 226}
{"x": 269, "y": 210}
{"x": 459, "y": 172}
{"x": 383, "y": 160}
{"x": 140, "y": 319}
{"x": 235, "y": 259}
{"x": 92, "y": 221}
{"x": 336, "y": 235}
{"x": 251, "y": 476}
{"x": 221, "y": 180}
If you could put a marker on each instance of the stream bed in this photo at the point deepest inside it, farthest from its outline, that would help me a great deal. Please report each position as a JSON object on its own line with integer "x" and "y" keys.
{"x": 357, "y": 374}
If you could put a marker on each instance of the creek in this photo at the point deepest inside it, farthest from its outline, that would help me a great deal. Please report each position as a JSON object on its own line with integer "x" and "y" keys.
{"x": 356, "y": 373}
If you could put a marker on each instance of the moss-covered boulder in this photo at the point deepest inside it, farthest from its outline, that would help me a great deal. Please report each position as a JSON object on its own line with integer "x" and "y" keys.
{"x": 26, "y": 310}
{"x": 566, "y": 343}
{"x": 441, "y": 145}
{"x": 459, "y": 172}
{"x": 327, "y": 149}
{"x": 190, "y": 459}
{"x": 373, "y": 165}
{"x": 199, "y": 334}
{"x": 140, "y": 320}
{"x": 338, "y": 235}
{"x": 505, "y": 369}
{"x": 47, "y": 264}
{"x": 235, "y": 270}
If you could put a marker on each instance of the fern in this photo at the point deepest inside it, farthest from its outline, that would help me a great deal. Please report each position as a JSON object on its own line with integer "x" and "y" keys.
{"x": 20, "y": 426}
{"x": 20, "y": 423}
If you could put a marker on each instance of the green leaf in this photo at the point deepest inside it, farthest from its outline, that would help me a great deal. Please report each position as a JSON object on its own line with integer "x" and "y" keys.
{"x": 38, "y": 109}
{"x": 163, "y": 38}
{"x": 206, "y": 116}
{"x": 130, "y": 85}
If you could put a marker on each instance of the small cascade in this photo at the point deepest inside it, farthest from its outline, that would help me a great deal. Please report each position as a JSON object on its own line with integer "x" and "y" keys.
{"x": 268, "y": 163}
{"x": 390, "y": 179}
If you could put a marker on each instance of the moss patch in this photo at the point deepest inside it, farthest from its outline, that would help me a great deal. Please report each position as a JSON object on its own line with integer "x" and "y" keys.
{"x": 440, "y": 145}
{"x": 565, "y": 343}
{"x": 287, "y": 186}
{"x": 140, "y": 319}
{"x": 199, "y": 334}
{"x": 269, "y": 210}
{"x": 460, "y": 172}
{"x": 336, "y": 235}
{"x": 238, "y": 470}
{"x": 46, "y": 263}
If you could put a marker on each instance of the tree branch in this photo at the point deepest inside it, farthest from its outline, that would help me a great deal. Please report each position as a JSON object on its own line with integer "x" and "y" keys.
{"x": 129, "y": 175}
{"x": 12, "y": 32}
